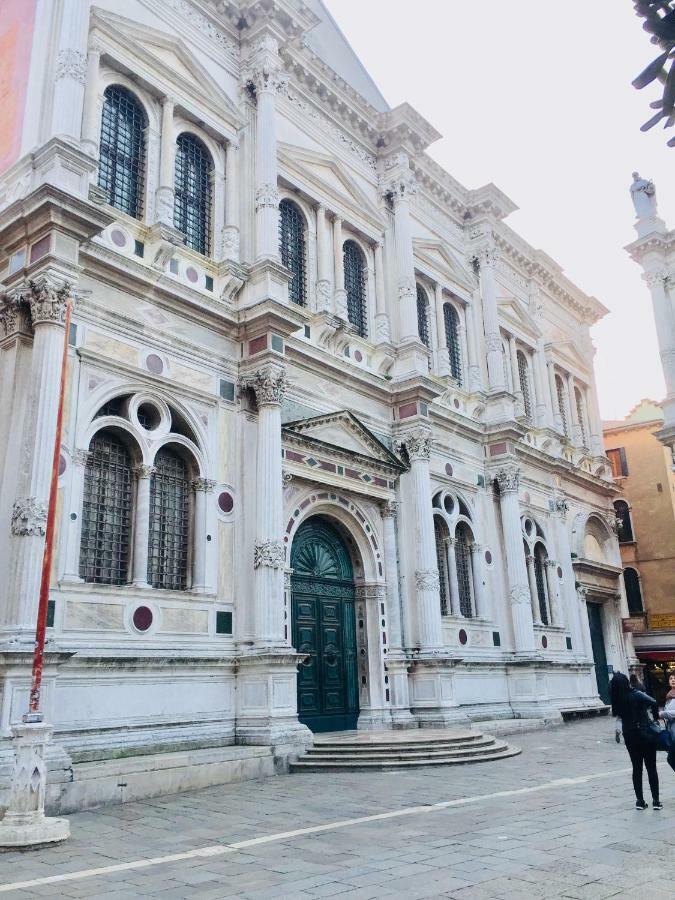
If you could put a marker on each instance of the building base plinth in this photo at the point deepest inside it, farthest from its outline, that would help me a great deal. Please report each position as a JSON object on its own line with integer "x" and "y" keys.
{"x": 433, "y": 702}
{"x": 46, "y": 831}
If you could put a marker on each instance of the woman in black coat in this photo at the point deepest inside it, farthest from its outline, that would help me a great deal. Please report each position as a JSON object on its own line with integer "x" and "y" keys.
{"x": 633, "y": 708}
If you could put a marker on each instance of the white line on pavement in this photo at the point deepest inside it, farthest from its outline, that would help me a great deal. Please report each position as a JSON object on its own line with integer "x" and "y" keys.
{"x": 222, "y": 849}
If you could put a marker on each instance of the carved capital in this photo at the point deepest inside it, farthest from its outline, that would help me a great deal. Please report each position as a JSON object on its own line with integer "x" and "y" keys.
{"x": 267, "y": 195}
{"x": 377, "y": 592}
{"x": 656, "y": 277}
{"x": 264, "y": 69}
{"x": 14, "y": 316}
{"x": 29, "y": 517}
{"x": 80, "y": 457}
{"x": 71, "y": 63}
{"x": 417, "y": 444}
{"x": 552, "y": 564}
{"x": 270, "y": 554}
{"x": 561, "y": 507}
{"x": 508, "y": 480}
{"x": 203, "y": 484}
{"x": 390, "y": 509}
{"x": 143, "y": 471}
{"x": 475, "y": 548}
{"x": 519, "y": 593}
{"x": 47, "y": 303}
{"x": 427, "y": 579}
{"x": 407, "y": 288}
{"x": 269, "y": 385}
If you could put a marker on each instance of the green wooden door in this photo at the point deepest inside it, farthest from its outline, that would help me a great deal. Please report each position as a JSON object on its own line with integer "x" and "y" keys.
{"x": 324, "y": 627}
{"x": 599, "y": 654}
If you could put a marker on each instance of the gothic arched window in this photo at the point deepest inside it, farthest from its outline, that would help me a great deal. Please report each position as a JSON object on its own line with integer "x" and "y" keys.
{"x": 192, "y": 187}
{"x": 579, "y": 401}
{"x": 624, "y": 524}
{"x": 524, "y": 379}
{"x": 106, "y": 512}
{"x": 540, "y": 558}
{"x": 122, "y": 150}
{"x": 463, "y": 558}
{"x": 631, "y": 579}
{"x": 562, "y": 409}
{"x": 355, "y": 286}
{"x": 169, "y": 522}
{"x": 423, "y": 315}
{"x": 292, "y": 250}
{"x": 451, "y": 320}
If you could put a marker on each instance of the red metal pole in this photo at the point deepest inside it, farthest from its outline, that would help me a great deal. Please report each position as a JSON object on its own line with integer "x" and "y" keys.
{"x": 41, "y": 627}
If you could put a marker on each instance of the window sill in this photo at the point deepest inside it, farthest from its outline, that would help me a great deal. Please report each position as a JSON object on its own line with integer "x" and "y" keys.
{"x": 128, "y": 591}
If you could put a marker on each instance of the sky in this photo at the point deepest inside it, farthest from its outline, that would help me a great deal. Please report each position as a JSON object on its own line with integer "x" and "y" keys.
{"x": 536, "y": 96}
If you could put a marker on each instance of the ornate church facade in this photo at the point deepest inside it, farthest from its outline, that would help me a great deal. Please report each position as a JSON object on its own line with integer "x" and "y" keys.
{"x": 332, "y": 455}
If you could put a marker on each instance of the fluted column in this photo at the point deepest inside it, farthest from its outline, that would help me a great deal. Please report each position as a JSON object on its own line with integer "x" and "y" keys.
{"x": 202, "y": 487}
{"x": 382, "y": 324}
{"x": 399, "y": 187}
{"x": 164, "y": 196}
{"x": 575, "y": 613}
{"x": 144, "y": 476}
{"x": 453, "y": 583}
{"x": 659, "y": 282}
{"x": 70, "y": 71}
{"x": 442, "y": 355}
{"x": 557, "y": 412}
{"x": 73, "y": 524}
{"x": 553, "y": 592}
{"x": 340, "y": 300}
{"x": 230, "y": 239}
{"x": 572, "y": 404}
{"x": 418, "y": 446}
{"x": 323, "y": 282}
{"x": 594, "y": 421}
{"x": 515, "y": 376}
{"x": 91, "y": 125}
{"x": 544, "y": 409}
{"x": 389, "y": 513}
{"x": 488, "y": 257}
{"x": 519, "y": 590}
{"x": 478, "y": 574}
{"x": 475, "y": 343}
{"x": 534, "y": 593}
{"x": 269, "y": 385}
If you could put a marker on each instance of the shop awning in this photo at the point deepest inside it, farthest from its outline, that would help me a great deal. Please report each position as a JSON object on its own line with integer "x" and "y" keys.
{"x": 656, "y": 655}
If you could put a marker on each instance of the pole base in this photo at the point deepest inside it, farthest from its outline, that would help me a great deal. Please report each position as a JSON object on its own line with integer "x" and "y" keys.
{"x": 47, "y": 831}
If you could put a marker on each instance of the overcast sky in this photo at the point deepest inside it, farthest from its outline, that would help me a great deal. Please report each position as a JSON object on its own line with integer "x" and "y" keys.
{"x": 535, "y": 96}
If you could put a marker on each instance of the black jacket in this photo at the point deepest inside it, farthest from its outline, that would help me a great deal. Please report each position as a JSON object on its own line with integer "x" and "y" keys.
{"x": 636, "y": 711}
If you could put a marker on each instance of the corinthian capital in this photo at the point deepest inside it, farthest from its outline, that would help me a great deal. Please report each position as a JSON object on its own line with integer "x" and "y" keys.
{"x": 390, "y": 509}
{"x": 268, "y": 384}
{"x": 47, "y": 303}
{"x": 486, "y": 256}
{"x": 508, "y": 479}
{"x": 14, "y": 318}
{"x": 656, "y": 277}
{"x": 264, "y": 69}
{"x": 417, "y": 443}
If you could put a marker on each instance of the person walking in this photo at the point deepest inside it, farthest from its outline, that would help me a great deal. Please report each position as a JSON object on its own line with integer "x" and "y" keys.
{"x": 633, "y": 708}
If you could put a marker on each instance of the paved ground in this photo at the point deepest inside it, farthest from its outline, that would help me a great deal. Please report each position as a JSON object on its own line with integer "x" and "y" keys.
{"x": 557, "y": 821}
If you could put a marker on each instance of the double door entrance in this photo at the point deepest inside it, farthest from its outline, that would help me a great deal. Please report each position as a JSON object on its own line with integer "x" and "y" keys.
{"x": 599, "y": 652}
{"x": 324, "y": 627}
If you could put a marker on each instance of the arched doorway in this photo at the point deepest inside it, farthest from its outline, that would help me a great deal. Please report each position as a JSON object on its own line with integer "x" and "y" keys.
{"x": 324, "y": 627}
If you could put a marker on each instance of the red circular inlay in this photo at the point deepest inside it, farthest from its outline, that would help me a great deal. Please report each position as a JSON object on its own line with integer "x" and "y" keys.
{"x": 142, "y": 618}
{"x": 154, "y": 364}
{"x": 358, "y": 356}
{"x": 544, "y": 641}
{"x": 191, "y": 274}
{"x": 560, "y": 572}
{"x": 62, "y": 464}
{"x": 226, "y": 502}
{"x": 463, "y": 636}
{"x": 448, "y": 469}
{"x": 118, "y": 238}
{"x": 488, "y": 557}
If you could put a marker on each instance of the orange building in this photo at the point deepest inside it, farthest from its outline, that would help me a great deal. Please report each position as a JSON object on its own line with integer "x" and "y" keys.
{"x": 646, "y": 526}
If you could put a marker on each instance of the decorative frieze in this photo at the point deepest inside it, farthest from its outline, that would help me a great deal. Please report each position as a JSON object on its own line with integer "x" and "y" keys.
{"x": 427, "y": 579}
{"x": 206, "y": 485}
{"x": 270, "y": 554}
{"x": 143, "y": 471}
{"x": 29, "y": 517}
{"x": 519, "y": 595}
{"x": 327, "y": 125}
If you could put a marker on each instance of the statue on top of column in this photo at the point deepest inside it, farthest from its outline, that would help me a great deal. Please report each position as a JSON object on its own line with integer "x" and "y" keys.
{"x": 643, "y": 195}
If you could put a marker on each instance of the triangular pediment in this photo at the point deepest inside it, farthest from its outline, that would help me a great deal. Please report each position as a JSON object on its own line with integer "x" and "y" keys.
{"x": 512, "y": 311}
{"x": 164, "y": 61}
{"x": 439, "y": 257}
{"x": 344, "y": 432}
{"x": 569, "y": 352}
{"x": 324, "y": 176}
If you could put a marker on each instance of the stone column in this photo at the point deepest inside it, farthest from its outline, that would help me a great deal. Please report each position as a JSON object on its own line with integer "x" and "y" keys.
{"x": 91, "y": 125}
{"x": 323, "y": 282}
{"x": 442, "y": 354}
{"x": 418, "y": 445}
{"x": 568, "y": 407}
{"x": 202, "y": 487}
{"x": 70, "y": 72}
{"x": 572, "y": 404}
{"x": 660, "y": 286}
{"x": 230, "y": 241}
{"x": 575, "y": 613}
{"x": 478, "y": 574}
{"x": 144, "y": 475}
{"x": 401, "y": 189}
{"x": 544, "y": 409}
{"x": 340, "y": 299}
{"x": 553, "y": 593}
{"x": 534, "y": 593}
{"x": 488, "y": 257}
{"x": 515, "y": 376}
{"x": 453, "y": 584}
{"x": 164, "y": 196}
{"x": 267, "y": 76}
{"x": 394, "y": 617}
{"x": 73, "y": 535}
{"x": 594, "y": 422}
{"x": 382, "y": 326}
{"x": 557, "y": 412}
{"x": 519, "y": 590}
{"x": 475, "y": 343}
{"x": 464, "y": 350}
{"x": 269, "y": 385}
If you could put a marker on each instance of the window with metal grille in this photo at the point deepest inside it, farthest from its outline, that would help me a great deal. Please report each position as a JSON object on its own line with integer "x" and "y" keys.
{"x": 422, "y": 315}
{"x": 451, "y": 319}
{"x": 624, "y": 524}
{"x": 633, "y": 593}
{"x": 524, "y": 379}
{"x": 122, "y": 151}
{"x": 463, "y": 557}
{"x": 440, "y": 533}
{"x": 539, "y": 576}
{"x": 192, "y": 188}
{"x": 560, "y": 394}
{"x": 106, "y": 512}
{"x": 292, "y": 249}
{"x": 355, "y": 286}
{"x": 578, "y": 399}
{"x": 169, "y": 522}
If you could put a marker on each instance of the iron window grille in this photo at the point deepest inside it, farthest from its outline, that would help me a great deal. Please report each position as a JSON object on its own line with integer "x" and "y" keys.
{"x": 560, "y": 394}
{"x": 169, "y": 522}
{"x": 524, "y": 379}
{"x": 292, "y": 248}
{"x": 106, "y": 512}
{"x": 580, "y": 413}
{"x": 355, "y": 286}
{"x": 192, "y": 188}
{"x": 441, "y": 562}
{"x": 422, "y": 315}
{"x": 624, "y": 524}
{"x": 122, "y": 151}
{"x": 463, "y": 557}
{"x": 539, "y": 563}
{"x": 451, "y": 320}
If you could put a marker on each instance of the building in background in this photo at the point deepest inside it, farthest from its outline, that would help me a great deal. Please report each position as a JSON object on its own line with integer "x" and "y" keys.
{"x": 645, "y": 512}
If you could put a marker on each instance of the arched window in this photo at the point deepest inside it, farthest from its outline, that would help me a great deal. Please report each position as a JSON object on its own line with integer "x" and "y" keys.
{"x": 106, "y": 512}
{"x": 441, "y": 536}
{"x": 423, "y": 315}
{"x": 122, "y": 151}
{"x": 524, "y": 379}
{"x": 355, "y": 286}
{"x": 631, "y": 580}
{"x": 579, "y": 402}
{"x": 463, "y": 557}
{"x": 192, "y": 187}
{"x": 624, "y": 524}
{"x": 560, "y": 395}
{"x": 540, "y": 558}
{"x": 292, "y": 249}
{"x": 169, "y": 522}
{"x": 451, "y": 319}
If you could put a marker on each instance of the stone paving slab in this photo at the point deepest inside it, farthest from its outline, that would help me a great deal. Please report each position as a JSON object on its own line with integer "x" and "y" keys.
{"x": 580, "y": 840}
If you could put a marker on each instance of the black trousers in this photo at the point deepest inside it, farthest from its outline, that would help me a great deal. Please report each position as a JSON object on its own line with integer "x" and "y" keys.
{"x": 641, "y": 752}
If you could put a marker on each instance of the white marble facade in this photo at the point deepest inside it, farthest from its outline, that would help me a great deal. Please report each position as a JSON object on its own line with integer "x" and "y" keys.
{"x": 484, "y": 459}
